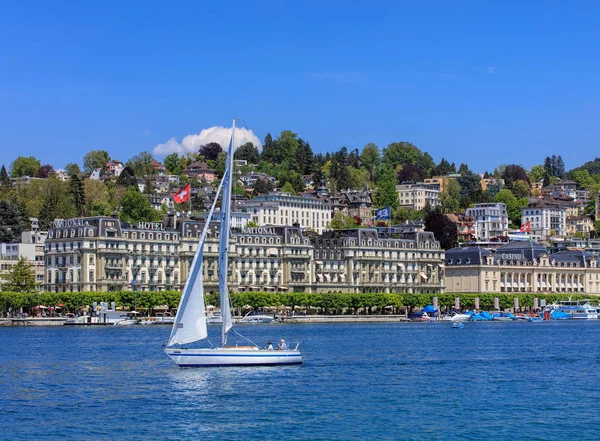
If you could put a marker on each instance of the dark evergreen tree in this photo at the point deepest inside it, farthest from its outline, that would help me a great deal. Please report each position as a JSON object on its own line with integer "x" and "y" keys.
{"x": 12, "y": 222}
{"x": 354, "y": 159}
{"x": 470, "y": 183}
{"x": 77, "y": 190}
{"x": 269, "y": 152}
{"x": 559, "y": 167}
{"x": 342, "y": 156}
{"x": 443, "y": 168}
{"x": 5, "y": 182}
{"x": 464, "y": 168}
{"x": 127, "y": 178}
{"x": 317, "y": 178}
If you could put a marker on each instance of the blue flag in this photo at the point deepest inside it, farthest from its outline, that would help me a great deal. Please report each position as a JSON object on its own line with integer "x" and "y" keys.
{"x": 383, "y": 214}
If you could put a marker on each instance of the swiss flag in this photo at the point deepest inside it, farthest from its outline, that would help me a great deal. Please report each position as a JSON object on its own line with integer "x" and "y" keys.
{"x": 525, "y": 228}
{"x": 183, "y": 195}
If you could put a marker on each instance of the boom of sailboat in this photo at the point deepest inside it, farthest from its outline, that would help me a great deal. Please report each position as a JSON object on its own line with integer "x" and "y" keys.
{"x": 190, "y": 324}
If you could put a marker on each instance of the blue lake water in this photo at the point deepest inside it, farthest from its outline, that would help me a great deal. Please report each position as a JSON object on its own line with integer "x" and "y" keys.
{"x": 359, "y": 381}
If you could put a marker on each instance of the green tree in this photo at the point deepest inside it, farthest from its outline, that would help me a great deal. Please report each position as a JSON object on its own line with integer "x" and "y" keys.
{"x": 247, "y": 152}
{"x": 5, "y": 182}
{"x": 219, "y": 166}
{"x": 342, "y": 222}
{"x": 370, "y": 158}
{"x": 135, "y": 207}
{"x": 95, "y": 159}
{"x": 78, "y": 192}
{"x": 288, "y": 188}
{"x": 20, "y": 278}
{"x": 400, "y": 153}
{"x": 450, "y": 197}
{"x": 173, "y": 164}
{"x": 583, "y": 178}
{"x": 97, "y": 197}
{"x": 513, "y": 205}
{"x": 12, "y": 222}
{"x": 536, "y": 173}
{"x": 385, "y": 193}
{"x": 520, "y": 189}
{"x": 141, "y": 164}
{"x": 262, "y": 187}
{"x": 72, "y": 169}
{"x": 57, "y": 203}
{"x": 24, "y": 166}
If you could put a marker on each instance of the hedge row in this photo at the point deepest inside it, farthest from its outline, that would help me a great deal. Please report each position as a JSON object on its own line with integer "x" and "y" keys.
{"x": 334, "y": 302}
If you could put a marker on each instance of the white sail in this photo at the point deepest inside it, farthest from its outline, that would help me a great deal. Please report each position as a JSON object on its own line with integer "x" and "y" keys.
{"x": 224, "y": 237}
{"x": 190, "y": 321}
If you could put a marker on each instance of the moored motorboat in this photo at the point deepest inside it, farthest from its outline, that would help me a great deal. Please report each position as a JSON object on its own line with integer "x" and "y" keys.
{"x": 456, "y": 317}
{"x": 132, "y": 319}
{"x": 256, "y": 317}
{"x": 577, "y": 309}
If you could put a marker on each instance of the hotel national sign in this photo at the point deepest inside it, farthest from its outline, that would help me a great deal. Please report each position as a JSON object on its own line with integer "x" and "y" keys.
{"x": 68, "y": 223}
{"x": 259, "y": 230}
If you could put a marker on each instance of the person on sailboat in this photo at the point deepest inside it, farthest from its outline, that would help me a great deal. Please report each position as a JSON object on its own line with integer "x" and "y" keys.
{"x": 282, "y": 345}
{"x": 269, "y": 346}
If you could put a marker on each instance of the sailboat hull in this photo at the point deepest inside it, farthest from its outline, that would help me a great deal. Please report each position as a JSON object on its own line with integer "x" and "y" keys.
{"x": 232, "y": 357}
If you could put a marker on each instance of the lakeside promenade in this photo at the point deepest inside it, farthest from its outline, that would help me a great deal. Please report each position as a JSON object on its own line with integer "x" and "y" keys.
{"x": 390, "y": 318}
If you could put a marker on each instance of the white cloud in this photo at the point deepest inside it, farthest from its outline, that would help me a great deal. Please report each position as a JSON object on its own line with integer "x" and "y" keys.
{"x": 191, "y": 143}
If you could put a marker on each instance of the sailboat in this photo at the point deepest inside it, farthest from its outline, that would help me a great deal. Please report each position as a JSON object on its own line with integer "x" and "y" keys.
{"x": 190, "y": 322}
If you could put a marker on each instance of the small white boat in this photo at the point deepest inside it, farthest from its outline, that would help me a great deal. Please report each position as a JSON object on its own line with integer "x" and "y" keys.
{"x": 253, "y": 317}
{"x": 164, "y": 319}
{"x": 132, "y": 319}
{"x": 214, "y": 318}
{"x": 191, "y": 321}
{"x": 456, "y": 317}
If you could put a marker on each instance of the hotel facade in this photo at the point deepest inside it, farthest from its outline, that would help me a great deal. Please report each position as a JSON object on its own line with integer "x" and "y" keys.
{"x": 103, "y": 254}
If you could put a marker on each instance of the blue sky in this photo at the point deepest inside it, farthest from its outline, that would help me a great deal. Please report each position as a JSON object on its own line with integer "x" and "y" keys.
{"x": 481, "y": 82}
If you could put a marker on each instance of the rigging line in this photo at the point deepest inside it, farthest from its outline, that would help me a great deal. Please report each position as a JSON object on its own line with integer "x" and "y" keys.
{"x": 244, "y": 122}
{"x": 245, "y": 338}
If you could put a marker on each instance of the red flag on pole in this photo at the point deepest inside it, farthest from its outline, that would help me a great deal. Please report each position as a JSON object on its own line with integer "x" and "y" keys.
{"x": 183, "y": 195}
{"x": 525, "y": 228}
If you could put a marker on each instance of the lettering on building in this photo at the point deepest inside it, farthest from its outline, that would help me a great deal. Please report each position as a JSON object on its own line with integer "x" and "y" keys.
{"x": 512, "y": 256}
{"x": 150, "y": 226}
{"x": 67, "y": 223}
{"x": 258, "y": 230}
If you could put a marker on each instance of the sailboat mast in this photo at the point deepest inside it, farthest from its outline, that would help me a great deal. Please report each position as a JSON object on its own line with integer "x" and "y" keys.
{"x": 224, "y": 239}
